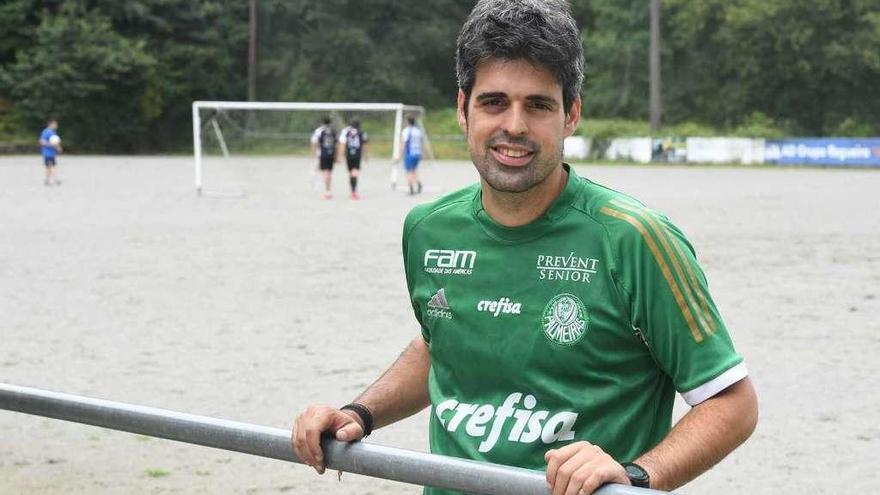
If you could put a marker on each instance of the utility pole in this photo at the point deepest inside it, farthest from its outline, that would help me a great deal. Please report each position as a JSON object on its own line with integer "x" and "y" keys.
{"x": 656, "y": 103}
{"x": 252, "y": 53}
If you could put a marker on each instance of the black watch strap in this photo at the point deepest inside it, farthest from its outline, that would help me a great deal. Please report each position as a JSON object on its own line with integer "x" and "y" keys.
{"x": 365, "y": 414}
{"x": 637, "y": 475}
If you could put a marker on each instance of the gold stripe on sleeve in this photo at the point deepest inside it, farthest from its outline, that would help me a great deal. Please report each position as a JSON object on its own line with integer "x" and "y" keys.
{"x": 692, "y": 288}
{"x": 699, "y": 290}
{"x": 664, "y": 268}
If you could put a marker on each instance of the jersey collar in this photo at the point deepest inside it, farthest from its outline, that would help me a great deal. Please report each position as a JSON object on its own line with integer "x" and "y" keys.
{"x": 558, "y": 209}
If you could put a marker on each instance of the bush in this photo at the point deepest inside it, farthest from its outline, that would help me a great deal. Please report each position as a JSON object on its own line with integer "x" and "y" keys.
{"x": 851, "y": 127}
{"x": 759, "y": 125}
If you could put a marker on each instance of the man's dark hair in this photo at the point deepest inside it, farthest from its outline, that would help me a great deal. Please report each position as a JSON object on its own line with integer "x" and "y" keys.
{"x": 542, "y": 32}
{"x": 356, "y": 123}
{"x": 326, "y": 120}
{"x": 411, "y": 120}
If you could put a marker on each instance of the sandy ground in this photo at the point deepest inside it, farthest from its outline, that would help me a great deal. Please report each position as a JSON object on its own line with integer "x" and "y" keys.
{"x": 123, "y": 284}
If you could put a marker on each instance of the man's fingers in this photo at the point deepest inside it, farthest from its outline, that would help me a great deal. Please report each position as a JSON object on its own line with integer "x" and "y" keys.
{"x": 307, "y": 434}
{"x": 569, "y": 470}
{"x": 556, "y": 457}
{"x": 299, "y": 443}
{"x": 313, "y": 443}
{"x": 315, "y": 421}
{"x": 350, "y": 432}
{"x": 598, "y": 470}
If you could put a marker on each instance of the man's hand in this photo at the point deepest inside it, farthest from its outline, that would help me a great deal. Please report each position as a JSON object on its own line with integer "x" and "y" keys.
{"x": 581, "y": 468}
{"x": 314, "y": 421}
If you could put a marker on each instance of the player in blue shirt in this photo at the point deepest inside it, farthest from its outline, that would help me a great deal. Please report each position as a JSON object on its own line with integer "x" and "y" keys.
{"x": 412, "y": 141}
{"x": 50, "y": 144}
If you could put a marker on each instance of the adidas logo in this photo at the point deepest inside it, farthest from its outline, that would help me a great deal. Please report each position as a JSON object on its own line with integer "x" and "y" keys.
{"x": 438, "y": 306}
{"x": 438, "y": 300}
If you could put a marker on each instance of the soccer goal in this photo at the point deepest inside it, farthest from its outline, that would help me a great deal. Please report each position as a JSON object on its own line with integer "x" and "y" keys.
{"x": 237, "y": 142}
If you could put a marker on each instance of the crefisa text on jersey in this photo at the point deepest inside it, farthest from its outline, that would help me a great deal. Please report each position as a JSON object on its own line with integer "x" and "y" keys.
{"x": 528, "y": 425}
{"x": 503, "y": 305}
{"x": 450, "y": 261}
{"x": 571, "y": 267}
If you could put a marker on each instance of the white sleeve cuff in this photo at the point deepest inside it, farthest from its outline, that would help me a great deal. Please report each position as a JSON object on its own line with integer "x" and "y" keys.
{"x": 717, "y": 384}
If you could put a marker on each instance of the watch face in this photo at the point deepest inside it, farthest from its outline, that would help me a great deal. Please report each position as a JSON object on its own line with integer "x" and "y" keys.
{"x": 637, "y": 476}
{"x": 634, "y": 471}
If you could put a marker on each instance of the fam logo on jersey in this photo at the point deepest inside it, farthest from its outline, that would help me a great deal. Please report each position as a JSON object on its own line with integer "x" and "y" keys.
{"x": 450, "y": 261}
{"x": 528, "y": 424}
{"x": 438, "y": 307}
{"x": 501, "y": 306}
{"x": 565, "y": 319}
{"x": 569, "y": 267}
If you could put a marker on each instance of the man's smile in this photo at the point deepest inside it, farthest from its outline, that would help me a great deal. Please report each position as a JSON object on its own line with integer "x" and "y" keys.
{"x": 511, "y": 154}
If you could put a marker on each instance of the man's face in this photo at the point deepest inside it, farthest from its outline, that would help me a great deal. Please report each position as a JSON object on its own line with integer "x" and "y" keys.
{"x": 53, "y": 124}
{"x": 515, "y": 124}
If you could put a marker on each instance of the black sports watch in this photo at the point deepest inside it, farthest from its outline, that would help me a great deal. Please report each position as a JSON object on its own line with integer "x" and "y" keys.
{"x": 637, "y": 475}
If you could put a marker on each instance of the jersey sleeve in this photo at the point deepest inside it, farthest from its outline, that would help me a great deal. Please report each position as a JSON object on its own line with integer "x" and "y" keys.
{"x": 316, "y": 135}
{"x": 343, "y": 134}
{"x": 669, "y": 302}
{"x": 410, "y": 267}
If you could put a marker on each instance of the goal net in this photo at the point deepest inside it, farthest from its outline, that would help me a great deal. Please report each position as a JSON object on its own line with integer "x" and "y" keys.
{"x": 239, "y": 145}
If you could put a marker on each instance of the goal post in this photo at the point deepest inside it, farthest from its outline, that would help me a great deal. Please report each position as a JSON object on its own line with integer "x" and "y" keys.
{"x": 206, "y": 123}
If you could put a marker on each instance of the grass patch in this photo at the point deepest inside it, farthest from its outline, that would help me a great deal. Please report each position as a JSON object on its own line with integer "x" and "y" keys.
{"x": 157, "y": 472}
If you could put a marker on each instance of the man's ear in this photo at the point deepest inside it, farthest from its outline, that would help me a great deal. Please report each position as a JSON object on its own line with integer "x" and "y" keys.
{"x": 462, "y": 119}
{"x": 573, "y": 117}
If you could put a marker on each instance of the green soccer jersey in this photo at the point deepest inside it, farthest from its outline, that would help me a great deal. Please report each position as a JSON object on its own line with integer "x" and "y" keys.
{"x": 578, "y": 326}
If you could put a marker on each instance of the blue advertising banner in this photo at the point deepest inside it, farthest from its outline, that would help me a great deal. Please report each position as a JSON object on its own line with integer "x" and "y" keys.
{"x": 856, "y": 152}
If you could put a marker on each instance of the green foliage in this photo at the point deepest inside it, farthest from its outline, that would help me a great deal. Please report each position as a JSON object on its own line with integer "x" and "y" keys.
{"x": 851, "y": 127}
{"x": 810, "y": 64}
{"x": 603, "y": 129}
{"x": 616, "y": 37}
{"x": 442, "y": 121}
{"x": 157, "y": 472}
{"x": 121, "y": 75}
{"x": 758, "y": 125}
{"x": 694, "y": 129}
{"x": 102, "y": 81}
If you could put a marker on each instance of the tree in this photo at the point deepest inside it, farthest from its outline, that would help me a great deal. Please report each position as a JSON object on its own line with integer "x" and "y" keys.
{"x": 616, "y": 35}
{"x": 99, "y": 84}
{"x": 812, "y": 65}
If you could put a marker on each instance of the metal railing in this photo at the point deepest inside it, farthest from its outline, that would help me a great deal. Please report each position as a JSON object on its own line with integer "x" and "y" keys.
{"x": 361, "y": 458}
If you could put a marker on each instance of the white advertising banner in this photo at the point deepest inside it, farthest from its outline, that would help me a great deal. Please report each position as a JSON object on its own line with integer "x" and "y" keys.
{"x": 725, "y": 150}
{"x": 636, "y": 149}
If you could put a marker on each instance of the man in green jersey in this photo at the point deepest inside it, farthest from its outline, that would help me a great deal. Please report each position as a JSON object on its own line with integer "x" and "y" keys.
{"x": 558, "y": 317}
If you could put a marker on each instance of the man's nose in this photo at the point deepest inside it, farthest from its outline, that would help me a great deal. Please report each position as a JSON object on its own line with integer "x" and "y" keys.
{"x": 515, "y": 123}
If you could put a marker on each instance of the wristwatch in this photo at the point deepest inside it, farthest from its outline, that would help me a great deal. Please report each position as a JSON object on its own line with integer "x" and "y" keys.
{"x": 637, "y": 475}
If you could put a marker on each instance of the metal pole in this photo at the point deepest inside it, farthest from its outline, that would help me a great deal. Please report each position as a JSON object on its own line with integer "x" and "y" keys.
{"x": 360, "y": 458}
{"x": 252, "y": 52}
{"x": 395, "y": 145}
{"x": 656, "y": 102}
{"x": 197, "y": 145}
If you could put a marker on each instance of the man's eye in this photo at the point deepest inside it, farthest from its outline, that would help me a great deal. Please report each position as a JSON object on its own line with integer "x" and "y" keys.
{"x": 493, "y": 102}
{"x": 541, "y": 106}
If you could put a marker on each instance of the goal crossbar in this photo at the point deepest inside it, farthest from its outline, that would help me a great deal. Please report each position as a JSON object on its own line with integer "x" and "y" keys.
{"x": 199, "y": 105}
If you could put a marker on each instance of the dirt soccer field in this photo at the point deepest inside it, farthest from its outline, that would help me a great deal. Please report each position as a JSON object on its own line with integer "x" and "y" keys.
{"x": 123, "y": 284}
